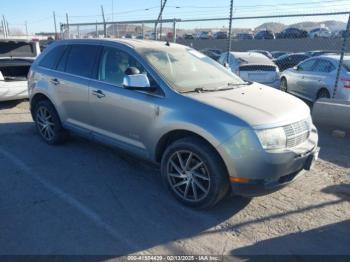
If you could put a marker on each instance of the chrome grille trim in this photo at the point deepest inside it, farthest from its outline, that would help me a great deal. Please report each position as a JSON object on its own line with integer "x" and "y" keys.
{"x": 297, "y": 133}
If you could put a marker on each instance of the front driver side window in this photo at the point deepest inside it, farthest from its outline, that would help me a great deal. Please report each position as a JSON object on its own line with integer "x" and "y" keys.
{"x": 113, "y": 64}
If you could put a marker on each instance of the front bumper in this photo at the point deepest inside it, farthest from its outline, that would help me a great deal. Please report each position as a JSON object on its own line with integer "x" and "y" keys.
{"x": 263, "y": 171}
{"x": 266, "y": 186}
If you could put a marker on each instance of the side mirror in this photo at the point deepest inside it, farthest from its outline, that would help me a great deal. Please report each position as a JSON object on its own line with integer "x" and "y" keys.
{"x": 296, "y": 68}
{"x": 134, "y": 80}
{"x": 226, "y": 65}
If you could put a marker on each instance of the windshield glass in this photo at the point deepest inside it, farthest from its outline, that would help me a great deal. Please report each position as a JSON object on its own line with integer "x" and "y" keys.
{"x": 186, "y": 69}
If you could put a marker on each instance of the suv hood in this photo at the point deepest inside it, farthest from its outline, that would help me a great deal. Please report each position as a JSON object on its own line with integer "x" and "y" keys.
{"x": 18, "y": 49}
{"x": 258, "y": 105}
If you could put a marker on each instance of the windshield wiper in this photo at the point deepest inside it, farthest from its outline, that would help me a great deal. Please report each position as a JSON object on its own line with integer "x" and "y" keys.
{"x": 199, "y": 90}
{"x": 229, "y": 86}
{"x": 240, "y": 84}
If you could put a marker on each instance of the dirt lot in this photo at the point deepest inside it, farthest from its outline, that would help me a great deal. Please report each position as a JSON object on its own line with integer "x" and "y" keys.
{"x": 84, "y": 198}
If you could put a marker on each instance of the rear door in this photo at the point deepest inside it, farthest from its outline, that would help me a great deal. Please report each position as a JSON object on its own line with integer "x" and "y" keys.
{"x": 322, "y": 72}
{"x": 301, "y": 78}
{"x": 72, "y": 84}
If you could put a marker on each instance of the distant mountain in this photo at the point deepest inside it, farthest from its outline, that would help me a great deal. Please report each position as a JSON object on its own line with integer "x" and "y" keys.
{"x": 274, "y": 27}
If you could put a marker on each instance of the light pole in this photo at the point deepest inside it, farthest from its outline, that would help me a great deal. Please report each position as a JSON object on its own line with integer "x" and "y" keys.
{"x": 230, "y": 32}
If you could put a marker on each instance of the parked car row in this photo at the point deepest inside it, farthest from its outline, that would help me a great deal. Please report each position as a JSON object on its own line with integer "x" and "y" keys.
{"x": 260, "y": 65}
{"x": 288, "y": 33}
{"x": 309, "y": 75}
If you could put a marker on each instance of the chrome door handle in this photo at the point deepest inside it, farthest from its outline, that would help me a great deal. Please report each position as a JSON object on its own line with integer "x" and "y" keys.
{"x": 98, "y": 94}
{"x": 55, "y": 81}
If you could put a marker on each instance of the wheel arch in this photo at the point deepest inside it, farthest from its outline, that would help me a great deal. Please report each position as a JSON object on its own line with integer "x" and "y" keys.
{"x": 36, "y": 98}
{"x": 174, "y": 135}
{"x": 323, "y": 89}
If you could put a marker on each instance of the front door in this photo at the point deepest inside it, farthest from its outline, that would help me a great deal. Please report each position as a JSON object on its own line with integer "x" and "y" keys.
{"x": 121, "y": 116}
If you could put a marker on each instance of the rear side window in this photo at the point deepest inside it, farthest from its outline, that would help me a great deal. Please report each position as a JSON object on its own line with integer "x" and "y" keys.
{"x": 51, "y": 59}
{"x": 81, "y": 59}
{"x": 307, "y": 65}
{"x": 324, "y": 66}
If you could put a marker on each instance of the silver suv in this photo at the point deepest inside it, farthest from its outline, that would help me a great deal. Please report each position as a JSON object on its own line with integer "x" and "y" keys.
{"x": 210, "y": 131}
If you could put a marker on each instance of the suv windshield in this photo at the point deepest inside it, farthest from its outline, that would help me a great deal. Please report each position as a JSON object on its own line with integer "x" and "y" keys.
{"x": 187, "y": 69}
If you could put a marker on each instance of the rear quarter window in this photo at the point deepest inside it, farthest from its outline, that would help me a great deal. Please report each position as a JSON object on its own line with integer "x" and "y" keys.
{"x": 51, "y": 59}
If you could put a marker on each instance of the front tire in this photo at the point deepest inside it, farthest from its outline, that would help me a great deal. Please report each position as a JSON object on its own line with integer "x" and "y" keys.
{"x": 48, "y": 123}
{"x": 194, "y": 173}
{"x": 284, "y": 85}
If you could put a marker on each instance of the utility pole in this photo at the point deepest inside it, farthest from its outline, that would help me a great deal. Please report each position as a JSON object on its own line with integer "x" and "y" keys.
{"x": 161, "y": 22}
{"x": 67, "y": 21}
{"x": 230, "y": 33}
{"x": 104, "y": 22}
{"x": 113, "y": 25}
{"x": 55, "y": 24}
{"x": 5, "y": 26}
{"x": 158, "y": 19}
{"x": 97, "y": 34}
{"x": 342, "y": 53}
{"x": 26, "y": 25}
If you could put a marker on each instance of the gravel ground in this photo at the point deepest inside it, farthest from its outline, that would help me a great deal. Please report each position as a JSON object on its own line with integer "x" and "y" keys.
{"x": 84, "y": 198}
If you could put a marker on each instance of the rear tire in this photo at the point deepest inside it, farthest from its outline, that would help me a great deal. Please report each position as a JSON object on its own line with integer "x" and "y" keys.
{"x": 323, "y": 93}
{"x": 284, "y": 85}
{"x": 48, "y": 123}
{"x": 194, "y": 173}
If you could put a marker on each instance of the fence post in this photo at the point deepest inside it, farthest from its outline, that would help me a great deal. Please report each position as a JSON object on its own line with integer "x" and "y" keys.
{"x": 61, "y": 31}
{"x": 97, "y": 34}
{"x": 104, "y": 22}
{"x": 3, "y": 28}
{"x": 67, "y": 26}
{"x": 347, "y": 31}
{"x": 174, "y": 30}
{"x": 230, "y": 33}
{"x": 55, "y": 25}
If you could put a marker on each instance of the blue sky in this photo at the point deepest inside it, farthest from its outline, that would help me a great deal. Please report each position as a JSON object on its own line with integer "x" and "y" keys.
{"x": 38, "y": 13}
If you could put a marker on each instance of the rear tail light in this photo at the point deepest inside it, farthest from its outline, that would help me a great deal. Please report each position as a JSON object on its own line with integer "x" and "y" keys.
{"x": 30, "y": 73}
{"x": 346, "y": 82}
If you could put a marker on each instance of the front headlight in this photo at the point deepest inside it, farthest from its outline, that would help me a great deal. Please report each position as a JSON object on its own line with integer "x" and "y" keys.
{"x": 272, "y": 139}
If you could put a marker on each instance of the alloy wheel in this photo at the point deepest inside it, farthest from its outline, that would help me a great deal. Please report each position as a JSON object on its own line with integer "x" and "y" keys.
{"x": 45, "y": 123}
{"x": 188, "y": 176}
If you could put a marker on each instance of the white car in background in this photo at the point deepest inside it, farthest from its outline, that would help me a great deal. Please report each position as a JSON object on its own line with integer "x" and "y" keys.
{"x": 16, "y": 57}
{"x": 320, "y": 32}
{"x": 252, "y": 67}
{"x": 315, "y": 78}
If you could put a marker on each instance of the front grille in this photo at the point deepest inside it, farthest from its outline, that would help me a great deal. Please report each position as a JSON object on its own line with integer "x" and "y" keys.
{"x": 297, "y": 133}
{"x": 258, "y": 68}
